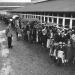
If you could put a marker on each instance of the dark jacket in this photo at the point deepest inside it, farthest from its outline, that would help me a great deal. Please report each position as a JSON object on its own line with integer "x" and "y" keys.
{"x": 63, "y": 39}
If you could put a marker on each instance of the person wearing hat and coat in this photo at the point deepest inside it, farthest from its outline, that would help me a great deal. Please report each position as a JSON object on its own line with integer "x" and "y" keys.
{"x": 9, "y": 36}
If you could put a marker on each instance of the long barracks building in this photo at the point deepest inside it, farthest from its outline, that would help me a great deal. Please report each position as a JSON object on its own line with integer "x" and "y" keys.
{"x": 61, "y": 12}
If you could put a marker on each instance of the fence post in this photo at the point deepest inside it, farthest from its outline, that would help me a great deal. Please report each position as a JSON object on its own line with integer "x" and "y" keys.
{"x": 48, "y": 19}
{"x": 71, "y": 22}
{"x": 57, "y": 21}
{"x": 63, "y": 21}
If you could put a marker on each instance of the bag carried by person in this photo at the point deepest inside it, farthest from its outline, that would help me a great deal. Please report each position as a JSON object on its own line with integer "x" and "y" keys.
{"x": 48, "y": 43}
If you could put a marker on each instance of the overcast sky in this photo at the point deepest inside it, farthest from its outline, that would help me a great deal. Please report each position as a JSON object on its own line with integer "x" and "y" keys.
{"x": 15, "y": 0}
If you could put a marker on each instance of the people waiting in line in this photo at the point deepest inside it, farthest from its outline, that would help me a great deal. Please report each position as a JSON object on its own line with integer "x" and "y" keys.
{"x": 44, "y": 36}
{"x": 48, "y": 35}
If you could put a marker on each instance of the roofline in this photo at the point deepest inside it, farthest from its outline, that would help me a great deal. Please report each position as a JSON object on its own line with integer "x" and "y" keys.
{"x": 11, "y": 6}
{"x": 39, "y": 2}
{"x": 42, "y": 11}
{"x": 43, "y": 1}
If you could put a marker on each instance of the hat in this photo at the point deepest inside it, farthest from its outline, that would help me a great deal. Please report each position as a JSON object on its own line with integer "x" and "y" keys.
{"x": 60, "y": 43}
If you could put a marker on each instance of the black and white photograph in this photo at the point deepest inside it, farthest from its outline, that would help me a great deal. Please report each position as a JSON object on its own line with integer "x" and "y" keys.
{"x": 37, "y": 37}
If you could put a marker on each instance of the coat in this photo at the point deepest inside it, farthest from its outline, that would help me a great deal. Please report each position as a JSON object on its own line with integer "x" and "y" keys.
{"x": 8, "y": 32}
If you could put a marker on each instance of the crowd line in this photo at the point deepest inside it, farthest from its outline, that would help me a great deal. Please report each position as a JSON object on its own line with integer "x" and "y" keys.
{"x": 59, "y": 40}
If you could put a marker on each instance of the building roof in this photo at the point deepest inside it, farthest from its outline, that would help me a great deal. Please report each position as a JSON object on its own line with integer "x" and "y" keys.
{"x": 36, "y": 1}
{"x": 52, "y": 6}
{"x": 12, "y": 5}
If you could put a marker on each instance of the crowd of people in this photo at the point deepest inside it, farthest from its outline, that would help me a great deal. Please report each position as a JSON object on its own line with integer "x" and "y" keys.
{"x": 52, "y": 38}
{"x": 60, "y": 41}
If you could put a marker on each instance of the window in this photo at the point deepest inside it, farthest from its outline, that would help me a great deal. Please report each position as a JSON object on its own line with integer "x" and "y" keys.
{"x": 22, "y": 16}
{"x": 60, "y": 14}
{"x": 39, "y": 18}
{"x": 54, "y": 14}
{"x": 67, "y": 21}
{"x": 50, "y": 20}
{"x": 73, "y": 15}
{"x": 73, "y": 23}
{"x": 60, "y": 21}
{"x": 68, "y": 14}
{"x": 36, "y": 16}
{"x": 55, "y": 20}
{"x": 42, "y": 19}
{"x": 46, "y": 19}
{"x": 26, "y": 16}
{"x": 50, "y": 14}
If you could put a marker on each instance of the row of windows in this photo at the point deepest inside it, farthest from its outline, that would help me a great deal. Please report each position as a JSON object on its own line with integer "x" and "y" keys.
{"x": 60, "y": 14}
{"x": 67, "y": 21}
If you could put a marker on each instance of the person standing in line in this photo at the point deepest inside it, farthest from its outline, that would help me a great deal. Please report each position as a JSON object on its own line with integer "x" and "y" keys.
{"x": 44, "y": 37}
{"x": 28, "y": 33}
{"x": 9, "y": 36}
{"x": 17, "y": 30}
{"x": 72, "y": 47}
{"x": 48, "y": 38}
